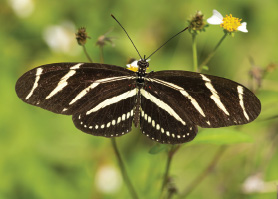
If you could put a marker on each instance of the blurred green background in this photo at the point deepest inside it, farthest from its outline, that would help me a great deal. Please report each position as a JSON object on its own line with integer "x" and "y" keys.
{"x": 42, "y": 155}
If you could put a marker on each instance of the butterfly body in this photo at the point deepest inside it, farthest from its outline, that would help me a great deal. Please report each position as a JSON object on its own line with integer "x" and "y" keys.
{"x": 105, "y": 100}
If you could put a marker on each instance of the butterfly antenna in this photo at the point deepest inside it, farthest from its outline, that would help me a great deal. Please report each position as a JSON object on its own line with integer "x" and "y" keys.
{"x": 168, "y": 41}
{"x": 127, "y": 35}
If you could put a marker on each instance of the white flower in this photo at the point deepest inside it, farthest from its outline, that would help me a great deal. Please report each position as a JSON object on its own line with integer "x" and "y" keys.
{"x": 108, "y": 180}
{"x": 133, "y": 66}
{"x": 229, "y": 23}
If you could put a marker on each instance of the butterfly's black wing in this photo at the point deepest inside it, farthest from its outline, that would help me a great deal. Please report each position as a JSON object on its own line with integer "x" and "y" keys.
{"x": 197, "y": 99}
{"x": 77, "y": 88}
{"x": 162, "y": 120}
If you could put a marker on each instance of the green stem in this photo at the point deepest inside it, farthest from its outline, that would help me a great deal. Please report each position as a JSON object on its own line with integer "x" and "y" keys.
{"x": 123, "y": 170}
{"x": 86, "y": 53}
{"x": 194, "y": 52}
{"x": 204, "y": 63}
{"x": 101, "y": 54}
{"x": 205, "y": 172}
{"x": 171, "y": 153}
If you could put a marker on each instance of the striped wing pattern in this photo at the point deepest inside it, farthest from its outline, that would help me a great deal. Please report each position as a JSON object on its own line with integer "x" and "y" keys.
{"x": 207, "y": 100}
{"x": 163, "y": 122}
{"x": 169, "y": 105}
{"x": 76, "y": 88}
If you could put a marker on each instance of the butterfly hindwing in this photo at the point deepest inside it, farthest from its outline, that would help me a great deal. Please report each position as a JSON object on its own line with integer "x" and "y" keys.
{"x": 163, "y": 121}
{"x": 208, "y": 101}
{"x": 108, "y": 118}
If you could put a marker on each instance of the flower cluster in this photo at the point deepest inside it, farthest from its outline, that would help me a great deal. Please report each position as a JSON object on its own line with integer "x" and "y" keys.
{"x": 81, "y": 36}
{"x": 197, "y": 23}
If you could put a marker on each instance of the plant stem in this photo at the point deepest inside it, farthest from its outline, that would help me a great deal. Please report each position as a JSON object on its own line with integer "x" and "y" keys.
{"x": 171, "y": 153}
{"x": 123, "y": 170}
{"x": 205, "y": 172}
{"x": 86, "y": 53}
{"x": 204, "y": 63}
{"x": 194, "y": 53}
{"x": 101, "y": 54}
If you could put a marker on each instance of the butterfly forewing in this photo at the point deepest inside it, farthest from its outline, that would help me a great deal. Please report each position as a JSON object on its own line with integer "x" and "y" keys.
{"x": 207, "y": 100}
{"x": 67, "y": 88}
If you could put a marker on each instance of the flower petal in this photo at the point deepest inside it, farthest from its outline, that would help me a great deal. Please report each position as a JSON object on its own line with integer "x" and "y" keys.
{"x": 133, "y": 64}
{"x": 242, "y": 27}
{"x": 216, "y": 18}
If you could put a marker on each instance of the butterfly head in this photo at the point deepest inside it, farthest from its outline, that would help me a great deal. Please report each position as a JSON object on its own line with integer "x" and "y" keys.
{"x": 139, "y": 66}
{"x": 143, "y": 64}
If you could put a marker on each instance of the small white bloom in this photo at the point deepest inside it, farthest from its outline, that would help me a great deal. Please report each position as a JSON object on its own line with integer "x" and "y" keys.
{"x": 216, "y": 18}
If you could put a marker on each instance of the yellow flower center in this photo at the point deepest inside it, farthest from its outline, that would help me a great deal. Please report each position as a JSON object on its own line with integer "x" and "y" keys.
{"x": 230, "y": 23}
{"x": 133, "y": 68}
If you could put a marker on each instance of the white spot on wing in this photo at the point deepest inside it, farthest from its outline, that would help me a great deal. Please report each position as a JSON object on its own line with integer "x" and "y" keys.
{"x": 157, "y": 126}
{"x": 119, "y": 120}
{"x": 123, "y": 117}
{"x": 149, "y": 119}
{"x": 146, "y": 116}
{"x": 35, "y": 85}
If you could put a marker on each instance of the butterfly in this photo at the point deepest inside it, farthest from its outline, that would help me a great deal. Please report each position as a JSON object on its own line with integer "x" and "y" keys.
{"x": 104, "y": 100}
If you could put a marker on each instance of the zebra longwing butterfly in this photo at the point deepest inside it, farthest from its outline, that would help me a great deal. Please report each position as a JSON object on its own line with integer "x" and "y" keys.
{"x": 168, "y": 106}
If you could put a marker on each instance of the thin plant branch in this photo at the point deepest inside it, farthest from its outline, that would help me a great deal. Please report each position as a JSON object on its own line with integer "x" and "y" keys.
{"x": 194, "y": 53}
{"x": 86, "y": 53}
{"x": 101, "y": 54}
{"x": 204, "y": 173}
{"x": 123, "y": 170}
{"x": 170, "y": 155}
{"x": 210, "y": 55}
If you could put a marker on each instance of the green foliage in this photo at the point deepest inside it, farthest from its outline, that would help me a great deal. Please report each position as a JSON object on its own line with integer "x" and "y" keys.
{"x": 158, "y": 148}
{"x": 221, "y": 136}
{"x": 44, "y": 156}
